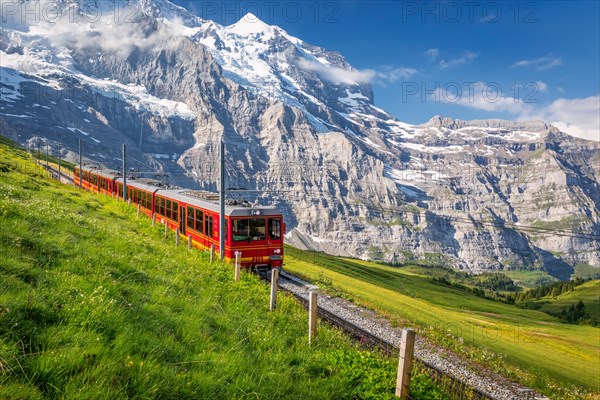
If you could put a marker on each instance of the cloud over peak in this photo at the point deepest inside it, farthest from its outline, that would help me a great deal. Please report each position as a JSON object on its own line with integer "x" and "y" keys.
{"x": 339, "y": 75}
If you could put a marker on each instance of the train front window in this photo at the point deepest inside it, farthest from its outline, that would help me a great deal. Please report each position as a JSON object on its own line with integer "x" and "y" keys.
{"x": 249, "y": 229}
{"x": 274, "y": 229}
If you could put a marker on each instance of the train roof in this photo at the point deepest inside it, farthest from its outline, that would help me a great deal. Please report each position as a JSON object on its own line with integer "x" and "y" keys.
{"x": 206, "y": 200}
{"x": 190, "y": 198}
{"x": 108, "y": 174}
{"x": 139, "y": 185}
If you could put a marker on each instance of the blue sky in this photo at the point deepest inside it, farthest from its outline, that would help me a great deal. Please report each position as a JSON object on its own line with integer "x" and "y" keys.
{"x": 468, "y": 60}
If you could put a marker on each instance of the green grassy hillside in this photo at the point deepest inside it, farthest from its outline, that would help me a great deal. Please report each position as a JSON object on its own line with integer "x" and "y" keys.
{"x": 529, "y": 345}
{"x": 97, "y": 304}
{"x": 589, "y": 293}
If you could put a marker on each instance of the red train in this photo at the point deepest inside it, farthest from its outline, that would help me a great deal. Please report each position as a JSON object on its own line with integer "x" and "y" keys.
{"x": 256, "y": 232}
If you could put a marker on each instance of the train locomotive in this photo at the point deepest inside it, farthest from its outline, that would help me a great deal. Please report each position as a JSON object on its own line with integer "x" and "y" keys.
{"x": 256, "y": 232}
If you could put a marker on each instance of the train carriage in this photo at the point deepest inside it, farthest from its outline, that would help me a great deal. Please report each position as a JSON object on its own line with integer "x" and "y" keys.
{"x": 256, "y": 232}
{"x": 96, "y": 181}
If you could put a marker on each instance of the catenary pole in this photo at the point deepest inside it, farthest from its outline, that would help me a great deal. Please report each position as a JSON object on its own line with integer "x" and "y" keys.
{"x": 80, "y": 164}
{"x": 222, "y": 227}
{"x": 124, "y": 172}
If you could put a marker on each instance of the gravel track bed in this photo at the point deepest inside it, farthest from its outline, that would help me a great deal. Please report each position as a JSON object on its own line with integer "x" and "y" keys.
{"x": 492, "y": 384}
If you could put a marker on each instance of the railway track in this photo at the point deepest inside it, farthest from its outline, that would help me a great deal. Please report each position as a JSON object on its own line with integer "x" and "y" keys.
{"x": 450, "y": 383}
{"x": 56, "y": 175}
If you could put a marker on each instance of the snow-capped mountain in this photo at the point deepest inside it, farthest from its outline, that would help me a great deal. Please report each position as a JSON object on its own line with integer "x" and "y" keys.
{"x": 300, "y": 123}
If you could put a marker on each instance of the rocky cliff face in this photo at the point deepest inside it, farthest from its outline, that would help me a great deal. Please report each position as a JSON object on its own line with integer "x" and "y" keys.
{"x": 299, "y": 123}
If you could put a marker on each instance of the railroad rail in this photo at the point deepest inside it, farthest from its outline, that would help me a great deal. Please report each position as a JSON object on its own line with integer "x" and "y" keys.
{"x": 55, "y": 174}
{"x": 366, "y": 338}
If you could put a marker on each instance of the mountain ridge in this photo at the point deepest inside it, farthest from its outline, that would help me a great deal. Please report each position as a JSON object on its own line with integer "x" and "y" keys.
{"x": 349, "y": 176}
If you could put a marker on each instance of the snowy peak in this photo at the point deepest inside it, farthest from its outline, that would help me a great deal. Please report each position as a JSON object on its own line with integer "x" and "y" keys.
{"x": 270, "y": 62}
{"x": 250, "y": 24}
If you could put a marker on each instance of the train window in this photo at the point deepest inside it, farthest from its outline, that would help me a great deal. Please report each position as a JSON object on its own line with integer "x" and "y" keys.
{"x": 175, "y": 212}
{"x": 274, "y": 228}
{"x": 249, "y": 229}
{"x": 190, "y": 218}
{"x": 208, "y": 226}
{"x": 199, "y": 221}
{"x": 159, "y": 206}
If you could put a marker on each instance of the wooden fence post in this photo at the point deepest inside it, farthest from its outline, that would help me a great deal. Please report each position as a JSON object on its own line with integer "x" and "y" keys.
{"x": 166, "y": 228}
{"x": 190, "y": 242}
{"x": 312, "y": 316}
{"x": 238, "y": 256}
{"x": 407, "y": 347}
{"x": 176, "y": 236}
{"x": 212, "y": 252}
{"x": 153, "y": 219}
{"x": 138, "y": 211}
{"x": 274, "y": 285}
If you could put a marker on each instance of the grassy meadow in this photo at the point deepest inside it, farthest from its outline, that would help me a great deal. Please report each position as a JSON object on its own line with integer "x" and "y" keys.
{"x": 530, "y": 346}
{"x": 96, "y": 304}
{"x": 588, "y": 292}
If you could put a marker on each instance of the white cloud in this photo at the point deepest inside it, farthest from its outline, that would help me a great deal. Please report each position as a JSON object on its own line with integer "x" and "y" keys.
{"x": 539, "y": 64}
{"x": 339, "y": 75}
{"x": 578, "y": 117}
{"x": 93, "y": 26}
{"x": 466, "y": 57}
{"x": 393, "y": 74}
{"x": 541, "y": 86}
{"x": 432, "y": 53}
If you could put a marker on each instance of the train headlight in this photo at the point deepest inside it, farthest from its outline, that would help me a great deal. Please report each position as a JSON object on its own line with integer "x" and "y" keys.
{"x": 277, "y": 251}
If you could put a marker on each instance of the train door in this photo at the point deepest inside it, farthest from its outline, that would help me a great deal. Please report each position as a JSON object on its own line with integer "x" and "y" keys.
{"x": 182, "y": 219}
{"x": 275, "y": 241}
{"x": 260, "y": 240}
